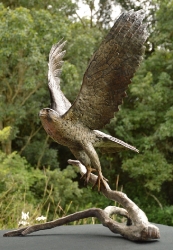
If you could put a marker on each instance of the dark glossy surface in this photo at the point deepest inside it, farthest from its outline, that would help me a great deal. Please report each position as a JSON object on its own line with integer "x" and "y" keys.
{"x": 84, "y": 237}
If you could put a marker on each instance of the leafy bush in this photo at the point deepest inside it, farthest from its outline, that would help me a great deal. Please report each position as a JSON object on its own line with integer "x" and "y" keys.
{"x": 162, "y": 216}
{"x": 23, "y": 188}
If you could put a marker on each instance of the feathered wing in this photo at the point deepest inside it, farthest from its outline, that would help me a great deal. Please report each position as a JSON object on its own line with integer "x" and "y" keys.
{"x": 59, "y": 102}
{"x": 110, "y": 71}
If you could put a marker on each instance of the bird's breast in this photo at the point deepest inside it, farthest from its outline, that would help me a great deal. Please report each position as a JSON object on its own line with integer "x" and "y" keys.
{"x": 66, "y": 132}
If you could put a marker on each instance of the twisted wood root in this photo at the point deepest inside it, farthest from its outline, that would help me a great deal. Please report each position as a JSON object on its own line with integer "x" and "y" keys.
{"x": 137, "y": 228}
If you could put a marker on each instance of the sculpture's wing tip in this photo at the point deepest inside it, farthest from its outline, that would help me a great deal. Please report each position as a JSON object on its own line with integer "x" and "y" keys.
{"x": 58, "y": 100}
{"x": 55, "y": 60}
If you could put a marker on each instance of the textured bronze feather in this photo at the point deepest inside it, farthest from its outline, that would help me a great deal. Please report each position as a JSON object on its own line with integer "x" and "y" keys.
{"x": 104, "y": 84}
{"x": 59, "y": 102}
{"x": 110, "y": 71}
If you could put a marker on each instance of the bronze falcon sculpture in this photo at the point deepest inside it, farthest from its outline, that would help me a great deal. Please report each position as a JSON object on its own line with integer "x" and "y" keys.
{"x": 104, "y": 84}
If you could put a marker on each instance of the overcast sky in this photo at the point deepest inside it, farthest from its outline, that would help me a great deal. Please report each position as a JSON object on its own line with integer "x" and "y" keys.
{"x": 84, "y": 10}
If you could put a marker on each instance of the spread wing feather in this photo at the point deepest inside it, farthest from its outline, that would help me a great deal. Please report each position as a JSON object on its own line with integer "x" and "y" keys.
{"x": 109, "y": 72}
{"x": 59, "y": 102}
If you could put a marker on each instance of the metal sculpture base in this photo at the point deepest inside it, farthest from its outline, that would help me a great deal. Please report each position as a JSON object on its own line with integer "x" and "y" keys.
{"x": 137, "y": 228}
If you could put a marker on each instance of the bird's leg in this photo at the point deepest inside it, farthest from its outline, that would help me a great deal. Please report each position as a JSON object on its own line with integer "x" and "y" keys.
{"x": 89, "y": 171}
{"x": 90, "y": 151}
{"x": 100, "y": 179}
{"x": 87, "y": 175}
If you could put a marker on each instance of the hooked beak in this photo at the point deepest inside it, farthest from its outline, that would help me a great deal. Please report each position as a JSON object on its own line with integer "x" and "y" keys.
{"x": 43, "y": 112}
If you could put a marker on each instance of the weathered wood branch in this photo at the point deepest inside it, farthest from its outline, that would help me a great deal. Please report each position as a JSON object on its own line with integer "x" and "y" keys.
{"x": 137, "y": 227}
{"x": 141, "y": 229}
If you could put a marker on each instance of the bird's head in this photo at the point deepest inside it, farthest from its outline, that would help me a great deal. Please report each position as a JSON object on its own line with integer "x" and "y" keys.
{"x": 48, "y": 114}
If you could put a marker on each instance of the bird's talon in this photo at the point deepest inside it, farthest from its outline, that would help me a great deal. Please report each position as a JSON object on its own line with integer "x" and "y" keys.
{"x": 100, "y": 180}
{"x": 87, "y": 175}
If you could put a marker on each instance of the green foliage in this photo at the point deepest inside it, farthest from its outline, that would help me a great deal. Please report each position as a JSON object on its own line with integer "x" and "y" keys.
{"x": 5, "y": 134}
{"x": 41, "y": 155}
{"x": 150, "y": 169}
{"x": 165, "y": 37}
{"x": 162, "y": 216}
{"x": 68, "y": 7}
{"x": 49, "y": 193}
{"x": 23, "y": 188}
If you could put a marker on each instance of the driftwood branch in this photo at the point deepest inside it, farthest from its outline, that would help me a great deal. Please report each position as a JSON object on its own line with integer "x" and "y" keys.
{"x": 137, "y": 227}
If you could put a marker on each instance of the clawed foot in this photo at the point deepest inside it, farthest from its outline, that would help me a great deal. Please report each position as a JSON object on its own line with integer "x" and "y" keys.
{"x": 87, "y": 175}
{"x": 100, "y": 180}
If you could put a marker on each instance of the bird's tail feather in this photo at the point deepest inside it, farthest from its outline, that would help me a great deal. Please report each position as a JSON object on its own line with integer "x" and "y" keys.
{"x": 111, "y": 144}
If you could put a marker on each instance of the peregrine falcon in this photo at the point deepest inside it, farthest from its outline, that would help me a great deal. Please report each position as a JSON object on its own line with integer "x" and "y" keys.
{"x": 105, "y": 81}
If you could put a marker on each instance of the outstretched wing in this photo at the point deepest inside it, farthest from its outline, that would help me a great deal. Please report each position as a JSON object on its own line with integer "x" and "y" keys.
{"x": 109, "y": 72}
{"x": 59, "y": 102}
